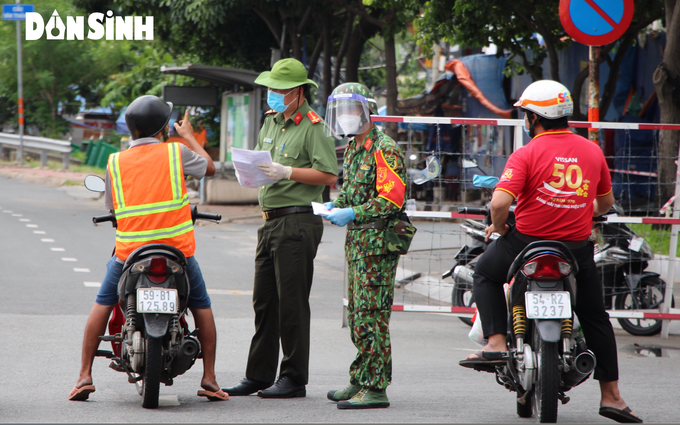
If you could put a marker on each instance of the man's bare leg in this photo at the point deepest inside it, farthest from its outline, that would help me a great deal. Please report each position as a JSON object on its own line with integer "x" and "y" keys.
{"x": 94, "y": 328}
{"x": 207, "y": 335}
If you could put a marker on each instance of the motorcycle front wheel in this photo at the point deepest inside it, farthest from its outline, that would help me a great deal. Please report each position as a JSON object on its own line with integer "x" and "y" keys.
{"x": 153, "y": 364}
{"x": 462, "y": 296}
{"x": 649, "y": 295}
{"x": 547, "y": 384}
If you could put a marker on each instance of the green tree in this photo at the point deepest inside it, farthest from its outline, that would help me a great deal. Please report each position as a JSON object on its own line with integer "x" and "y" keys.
{"x": 55, "y": 72}
{"x": 512, "y": 25}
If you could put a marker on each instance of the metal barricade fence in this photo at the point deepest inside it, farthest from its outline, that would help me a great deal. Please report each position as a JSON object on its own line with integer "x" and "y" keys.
{"x": 433, "y": 205}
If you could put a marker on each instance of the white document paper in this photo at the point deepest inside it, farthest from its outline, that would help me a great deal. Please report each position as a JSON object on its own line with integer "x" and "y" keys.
{"x": 320, "y": 209}
{"x": 245, "y": 162}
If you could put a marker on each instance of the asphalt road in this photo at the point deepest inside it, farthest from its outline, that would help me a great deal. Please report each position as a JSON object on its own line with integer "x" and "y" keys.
{"x": 47, "y": 294}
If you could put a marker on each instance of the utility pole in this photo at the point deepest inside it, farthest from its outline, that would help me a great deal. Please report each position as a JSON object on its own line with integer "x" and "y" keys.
{"x": 20, "y": 91}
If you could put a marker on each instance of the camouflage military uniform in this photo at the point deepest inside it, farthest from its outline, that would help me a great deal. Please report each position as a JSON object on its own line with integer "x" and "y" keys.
{"x": 371, "y": 268}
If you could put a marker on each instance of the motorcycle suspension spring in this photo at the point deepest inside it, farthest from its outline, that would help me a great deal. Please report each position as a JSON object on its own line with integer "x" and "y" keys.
{"x": 567, "y": 327}
{"x": 131, "y": 315}
{"x": 174, "y": 329}
{"x": 519, "y": 320}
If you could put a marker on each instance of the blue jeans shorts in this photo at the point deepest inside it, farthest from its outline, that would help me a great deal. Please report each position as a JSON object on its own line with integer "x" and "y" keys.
{"x": 198, "y": 294}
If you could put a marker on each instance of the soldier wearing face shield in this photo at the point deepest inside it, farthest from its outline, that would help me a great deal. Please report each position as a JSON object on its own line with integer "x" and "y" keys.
{"x": 371, "y": 199}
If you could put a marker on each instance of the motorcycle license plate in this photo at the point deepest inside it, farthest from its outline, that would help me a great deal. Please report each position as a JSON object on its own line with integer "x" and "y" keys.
{"x": 157, "y": 300}
{"x": 548, "y": 305}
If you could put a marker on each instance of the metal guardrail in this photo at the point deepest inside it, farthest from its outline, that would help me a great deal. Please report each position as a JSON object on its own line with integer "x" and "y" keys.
{"x": 41, "y": 144}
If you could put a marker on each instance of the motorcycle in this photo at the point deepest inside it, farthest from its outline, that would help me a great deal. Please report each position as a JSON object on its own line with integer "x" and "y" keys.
{"x": 151, "y": 341}
{"x": 621, "y": 257}
{"x": 546, "y": 355}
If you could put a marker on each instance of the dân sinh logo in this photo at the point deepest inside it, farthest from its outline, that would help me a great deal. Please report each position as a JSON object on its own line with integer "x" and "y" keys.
{"x": 99, "y": 26}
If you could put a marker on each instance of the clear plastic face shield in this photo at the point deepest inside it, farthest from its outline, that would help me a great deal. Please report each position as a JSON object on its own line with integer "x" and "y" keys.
{"x": 347, "y": 114}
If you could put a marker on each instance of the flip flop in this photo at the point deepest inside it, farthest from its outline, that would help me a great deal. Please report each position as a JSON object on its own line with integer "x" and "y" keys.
{"x": 218, "y": 395}
{"x": 620, "y": 415}
{"x": 485, "y": 358}
{"x": 82, "y": 393}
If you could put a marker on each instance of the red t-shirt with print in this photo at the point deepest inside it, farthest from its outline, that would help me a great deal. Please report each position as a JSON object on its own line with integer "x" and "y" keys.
{"x": 555, "y": 179}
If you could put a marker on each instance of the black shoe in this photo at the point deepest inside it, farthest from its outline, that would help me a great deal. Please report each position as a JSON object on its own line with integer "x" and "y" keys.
{"x": 284, "y": 387}
{"x": 246, "y": 387}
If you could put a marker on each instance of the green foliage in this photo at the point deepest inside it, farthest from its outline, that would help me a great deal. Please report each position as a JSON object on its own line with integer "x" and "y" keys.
{"x": 54, "y": 72}
{"x": 508, "y": 25}
{"x": 659, "y": 238}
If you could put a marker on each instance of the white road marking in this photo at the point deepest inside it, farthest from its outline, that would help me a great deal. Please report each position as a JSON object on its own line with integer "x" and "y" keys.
{"x": 24, "y": 219}
{"x": 229, "y": 292}
{"x": 68, "y": 259}
{"x": 79, "y": 270}
{"x": 168, "y": 400}
{"x": 39, "y": 232}
{"x": 46, "y": 240}
{"x": 7, "y": 212}
{"x": 16, "y": 215}
{"x": 58, "y": 249}
{"x": 31, "y": 225}
{"x": 92, "y": 284}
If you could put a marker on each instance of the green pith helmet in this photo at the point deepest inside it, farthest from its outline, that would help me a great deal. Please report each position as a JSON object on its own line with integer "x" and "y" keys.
{"x": 285, "y": 74}
{"x": 360, "y": 89}
{"x": 349, "y": 110}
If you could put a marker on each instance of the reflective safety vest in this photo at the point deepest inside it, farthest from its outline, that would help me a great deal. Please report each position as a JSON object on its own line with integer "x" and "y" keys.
{"x": 150, "y": 199}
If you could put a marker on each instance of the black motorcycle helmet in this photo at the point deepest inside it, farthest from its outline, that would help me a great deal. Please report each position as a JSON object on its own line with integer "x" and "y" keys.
{"x": 147, "y": 116}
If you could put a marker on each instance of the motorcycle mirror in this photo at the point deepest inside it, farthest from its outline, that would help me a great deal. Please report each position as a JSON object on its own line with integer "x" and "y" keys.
{"x": 469, "y": 163}
{"x": 95, "y": 183}
{"x": 487, "y": 182}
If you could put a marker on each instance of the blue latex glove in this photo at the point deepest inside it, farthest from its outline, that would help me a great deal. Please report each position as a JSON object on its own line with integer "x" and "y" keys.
{"x": 329, "y": 205}
{"x": 342, "y": 216}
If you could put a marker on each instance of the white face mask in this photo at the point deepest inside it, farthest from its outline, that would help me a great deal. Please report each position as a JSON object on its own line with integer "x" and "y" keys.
{"x": 349, "y": 124}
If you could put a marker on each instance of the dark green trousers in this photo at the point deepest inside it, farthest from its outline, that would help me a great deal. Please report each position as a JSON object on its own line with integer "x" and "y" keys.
{"x": 284, "y": 268}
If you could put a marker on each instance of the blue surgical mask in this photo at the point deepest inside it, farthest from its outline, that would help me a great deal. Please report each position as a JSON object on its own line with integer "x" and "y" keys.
{"x": 276, "y": 100}
{"x": 526, "y": 130}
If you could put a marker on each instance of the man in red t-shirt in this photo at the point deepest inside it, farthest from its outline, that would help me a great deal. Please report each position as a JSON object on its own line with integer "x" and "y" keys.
{"x": 560, "y": 181}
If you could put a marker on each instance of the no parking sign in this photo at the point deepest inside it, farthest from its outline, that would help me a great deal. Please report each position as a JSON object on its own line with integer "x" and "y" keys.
{"x": 596, "y": 22}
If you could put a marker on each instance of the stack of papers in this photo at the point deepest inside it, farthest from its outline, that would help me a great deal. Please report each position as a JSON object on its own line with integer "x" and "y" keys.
{"x": 320, "y": 209}
{"x": 245, "y": 163}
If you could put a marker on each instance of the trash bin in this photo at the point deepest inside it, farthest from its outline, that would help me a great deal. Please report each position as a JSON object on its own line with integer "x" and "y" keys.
{"x": 92, "y": 151}
{"x": 103, "y": 154}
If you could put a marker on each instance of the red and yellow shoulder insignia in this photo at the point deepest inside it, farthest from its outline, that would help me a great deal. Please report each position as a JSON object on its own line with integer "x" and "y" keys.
{"x": 313, "y": 117}
{"x": 298, "y": 118}
{"x": 368, "y": 143}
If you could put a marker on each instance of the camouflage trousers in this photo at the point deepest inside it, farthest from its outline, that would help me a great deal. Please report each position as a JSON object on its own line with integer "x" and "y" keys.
{"x": 370, "y": 295}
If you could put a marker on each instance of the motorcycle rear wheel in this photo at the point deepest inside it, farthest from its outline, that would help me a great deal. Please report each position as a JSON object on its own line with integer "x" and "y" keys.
{"x": 547, "y": 384}
{"x": 650, "y": 294}
{"x": 462, "y": 296}
{"x": 153, "y": 364}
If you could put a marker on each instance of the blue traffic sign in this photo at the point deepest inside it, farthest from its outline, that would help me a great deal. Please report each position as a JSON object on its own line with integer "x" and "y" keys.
{"x": 596, "y": 22}
{"x": 16, "y": 12}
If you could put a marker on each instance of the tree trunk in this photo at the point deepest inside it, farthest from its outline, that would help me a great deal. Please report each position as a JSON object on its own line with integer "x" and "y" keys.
{"x": 363, "y": 31}
{"x": 327, "y": 54}
{"x": 391, "y": 81}
{"x": 343, "y": 48}
{"x": 667, "y": 84}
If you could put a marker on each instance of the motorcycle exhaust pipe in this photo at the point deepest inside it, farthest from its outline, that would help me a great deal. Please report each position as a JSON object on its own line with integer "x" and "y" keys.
{"x": 186, "y": 355}
{"x": 584, "y": 363}
{"x": 463, "y": 274}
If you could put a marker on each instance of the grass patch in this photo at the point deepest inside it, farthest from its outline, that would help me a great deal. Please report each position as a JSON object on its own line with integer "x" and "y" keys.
{"x": 658, "y": 237}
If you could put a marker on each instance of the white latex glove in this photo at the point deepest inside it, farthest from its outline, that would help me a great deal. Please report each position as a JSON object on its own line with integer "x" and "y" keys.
{"x": 276, "y": 171}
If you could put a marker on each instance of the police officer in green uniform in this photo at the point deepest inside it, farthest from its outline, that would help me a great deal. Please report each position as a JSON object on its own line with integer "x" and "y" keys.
{"x": 304, "y": 161}
{"x": 370, "y": 202}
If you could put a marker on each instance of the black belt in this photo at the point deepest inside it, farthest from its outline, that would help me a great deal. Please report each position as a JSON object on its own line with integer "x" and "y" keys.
{"x": 268, "y": 215}
{"x": 377, "y": 225}
{"x": 568, "y": 244}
